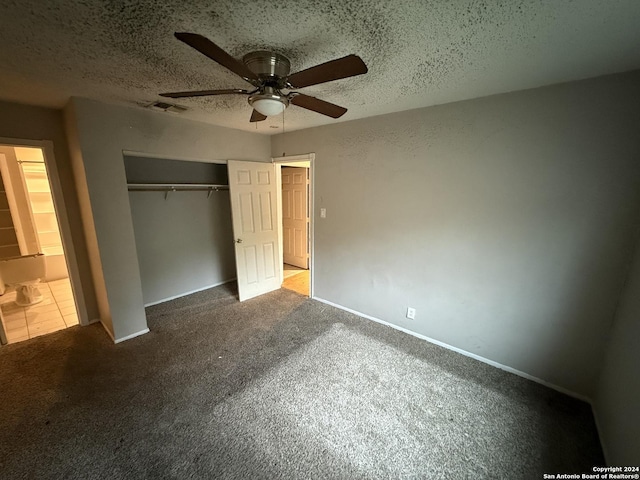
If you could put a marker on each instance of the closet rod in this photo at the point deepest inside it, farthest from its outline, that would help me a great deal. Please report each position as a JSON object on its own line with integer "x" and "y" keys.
{"x": 173, "y": 187}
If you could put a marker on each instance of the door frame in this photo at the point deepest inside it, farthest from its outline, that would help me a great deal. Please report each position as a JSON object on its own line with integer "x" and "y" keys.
{"x": 63, "y": 220}
{"x": 297, "y": 161}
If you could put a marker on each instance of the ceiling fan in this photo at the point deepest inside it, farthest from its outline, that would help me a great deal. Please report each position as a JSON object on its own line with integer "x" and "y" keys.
{"x": 268, "y": 72}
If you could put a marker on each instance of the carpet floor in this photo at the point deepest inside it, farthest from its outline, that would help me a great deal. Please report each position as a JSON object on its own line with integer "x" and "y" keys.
{"x": 279, "y": 386}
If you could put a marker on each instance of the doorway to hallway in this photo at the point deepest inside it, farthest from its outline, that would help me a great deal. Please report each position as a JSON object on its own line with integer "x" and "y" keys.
{"x": 295, "y": 180}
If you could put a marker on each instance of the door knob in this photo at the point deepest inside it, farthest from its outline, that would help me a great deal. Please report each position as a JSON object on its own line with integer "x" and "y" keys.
{"x": 239, "y": 240}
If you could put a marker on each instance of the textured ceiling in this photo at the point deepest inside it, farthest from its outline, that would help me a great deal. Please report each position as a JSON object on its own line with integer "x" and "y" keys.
{"x": 419, "y": 53}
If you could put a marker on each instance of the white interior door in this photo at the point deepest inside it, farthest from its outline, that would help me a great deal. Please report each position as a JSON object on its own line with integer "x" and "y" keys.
{"x": 252, "y": 186}
{"x": 295, "y": 216}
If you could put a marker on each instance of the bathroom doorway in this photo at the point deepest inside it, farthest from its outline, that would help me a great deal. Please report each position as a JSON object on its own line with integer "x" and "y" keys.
{"x": 29, "y": 225}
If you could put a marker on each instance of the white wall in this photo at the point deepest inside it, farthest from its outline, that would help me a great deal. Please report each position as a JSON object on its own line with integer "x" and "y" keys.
{"x": 19, "y": 203}
{"x": 102, "y": 132}
{"x": 617, "y": 404}
{"x": 505, "y": 221}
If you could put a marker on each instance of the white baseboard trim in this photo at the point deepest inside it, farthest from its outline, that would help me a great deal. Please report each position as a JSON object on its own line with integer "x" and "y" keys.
{"x": 128, "y": 337}
{"x": 133, "y": 335}
{"x": 463, "y": 352}
{"x": 188, "y": 293}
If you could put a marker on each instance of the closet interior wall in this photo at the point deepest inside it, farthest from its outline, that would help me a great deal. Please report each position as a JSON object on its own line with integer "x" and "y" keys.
{"x": 184, "y": 239}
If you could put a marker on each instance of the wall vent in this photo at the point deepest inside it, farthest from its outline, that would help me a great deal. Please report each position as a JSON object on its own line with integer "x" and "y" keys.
{"x": 167, "y": 107}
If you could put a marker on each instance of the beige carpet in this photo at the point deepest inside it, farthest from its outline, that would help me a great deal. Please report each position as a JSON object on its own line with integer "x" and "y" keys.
{"x": 279, "y": 386}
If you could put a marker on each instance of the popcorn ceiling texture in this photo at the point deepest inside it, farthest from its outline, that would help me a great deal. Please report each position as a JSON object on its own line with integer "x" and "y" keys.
{"x": 419, "y": 53}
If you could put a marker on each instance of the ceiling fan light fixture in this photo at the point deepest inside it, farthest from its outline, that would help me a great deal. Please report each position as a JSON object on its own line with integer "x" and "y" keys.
{"x": 268, "y": 106}
{"x": 269, "y": 102}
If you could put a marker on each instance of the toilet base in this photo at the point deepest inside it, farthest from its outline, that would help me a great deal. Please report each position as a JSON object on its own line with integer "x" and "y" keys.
{"x": 27, "y": 295}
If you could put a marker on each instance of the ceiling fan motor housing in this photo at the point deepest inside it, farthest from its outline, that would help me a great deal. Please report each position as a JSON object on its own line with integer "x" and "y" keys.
{"x": 268, "y": 66}
{"x": 272, "y": 70}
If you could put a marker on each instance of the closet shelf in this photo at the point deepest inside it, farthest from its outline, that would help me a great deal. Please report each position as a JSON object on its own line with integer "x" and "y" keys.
{"x": 173, "y": 187}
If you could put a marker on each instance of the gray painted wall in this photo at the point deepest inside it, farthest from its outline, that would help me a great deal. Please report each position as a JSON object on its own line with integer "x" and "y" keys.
{"x": 102, "y": 132}
{"x": 184, "y": 242}
{"x": 618, "y": 400}
{"x": 161, "y": 170}
{"x": 506, "y": 221}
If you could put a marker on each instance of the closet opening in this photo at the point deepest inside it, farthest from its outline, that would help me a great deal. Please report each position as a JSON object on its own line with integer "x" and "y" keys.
{"x": 181, "y": 215}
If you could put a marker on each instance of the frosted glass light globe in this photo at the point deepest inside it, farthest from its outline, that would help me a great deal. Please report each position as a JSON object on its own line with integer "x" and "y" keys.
{"x": 268, "y": 106}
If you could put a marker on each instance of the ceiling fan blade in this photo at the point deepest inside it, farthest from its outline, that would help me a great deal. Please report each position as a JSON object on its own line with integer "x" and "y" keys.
{"x": 344, "y": 67}
{"x": 203, "y": 93}
{"x": 256, "y": 116}
{"x": 215, "y": 53}
{"x": 317, "y": 105}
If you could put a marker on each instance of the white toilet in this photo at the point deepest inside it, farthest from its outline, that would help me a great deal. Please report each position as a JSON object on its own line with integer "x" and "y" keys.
{"x": 24, "y": 273}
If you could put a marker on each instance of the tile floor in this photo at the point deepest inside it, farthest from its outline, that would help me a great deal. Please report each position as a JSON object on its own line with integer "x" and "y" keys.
{"x": 55, "y": 312}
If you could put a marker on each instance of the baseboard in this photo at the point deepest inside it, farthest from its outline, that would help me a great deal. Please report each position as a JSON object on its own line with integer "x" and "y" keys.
{"x": 128, "y": 337}
{"x": 133, "y": 335}
{"x": 463, "y": 352}
{"x": 188, "y": 293}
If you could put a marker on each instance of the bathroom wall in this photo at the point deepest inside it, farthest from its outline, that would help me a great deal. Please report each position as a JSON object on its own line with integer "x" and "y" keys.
{"x": 43, "y": 212}
{"x": 507, "y": 221}
{"x": 184, "y": 240}
{"x": 99, "y": 134}
{"x": 8, "y": 240}
{"x": 18, "y": 202}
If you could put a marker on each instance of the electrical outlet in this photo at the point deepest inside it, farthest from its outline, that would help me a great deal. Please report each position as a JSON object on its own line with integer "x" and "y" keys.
{"x": 323, "y": 213}
{"x": 411, "y": 313}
